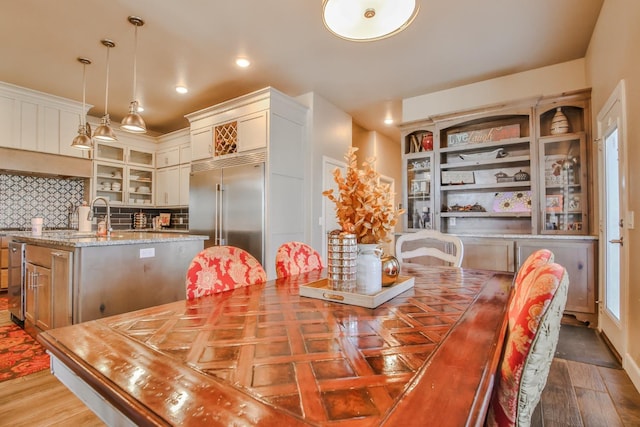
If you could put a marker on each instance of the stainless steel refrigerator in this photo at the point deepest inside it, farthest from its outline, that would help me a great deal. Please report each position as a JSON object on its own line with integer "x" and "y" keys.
{"x": 226, "y": 202}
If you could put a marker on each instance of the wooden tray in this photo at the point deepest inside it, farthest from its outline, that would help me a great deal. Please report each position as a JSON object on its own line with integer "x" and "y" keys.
{"x": 320, "y": 289}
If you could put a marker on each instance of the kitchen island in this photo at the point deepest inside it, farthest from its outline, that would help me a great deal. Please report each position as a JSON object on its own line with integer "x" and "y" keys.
{"x": 73, "y": 277}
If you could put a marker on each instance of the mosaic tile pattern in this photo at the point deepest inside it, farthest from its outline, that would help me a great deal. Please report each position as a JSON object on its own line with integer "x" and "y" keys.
{"x": 26, "y": 197}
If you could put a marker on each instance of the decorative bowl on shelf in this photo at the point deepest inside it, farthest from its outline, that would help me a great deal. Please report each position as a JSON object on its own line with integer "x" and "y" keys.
{"x": 495, "y": 154}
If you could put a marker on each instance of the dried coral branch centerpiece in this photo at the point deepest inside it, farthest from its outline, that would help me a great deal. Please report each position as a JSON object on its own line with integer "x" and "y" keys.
{"x": 364, "y": 205}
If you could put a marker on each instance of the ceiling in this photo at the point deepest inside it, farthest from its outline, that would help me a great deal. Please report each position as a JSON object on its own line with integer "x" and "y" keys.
{"x": 195, "y": 42}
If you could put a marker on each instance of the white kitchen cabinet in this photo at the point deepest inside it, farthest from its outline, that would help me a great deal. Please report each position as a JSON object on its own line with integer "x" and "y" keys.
{"x": 172, "y": 186}
{"x": 34, "y": 121}
{"x": 202, "y": 144}
{"x": 252, "y": 131}
{"x": 185, "y": 153}
{"x": 122, "y": 184}
{"x": 168, "y": 186}
{"x": 119, "y": 152}
{"x": 168, "y": 157}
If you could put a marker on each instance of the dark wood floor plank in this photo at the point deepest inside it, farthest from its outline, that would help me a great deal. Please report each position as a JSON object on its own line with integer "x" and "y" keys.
{"x": 597, "y": 409}
{"x": 624, "y": 395}
{"x": 558, "y": 400}
{"x": 585, "y": 376}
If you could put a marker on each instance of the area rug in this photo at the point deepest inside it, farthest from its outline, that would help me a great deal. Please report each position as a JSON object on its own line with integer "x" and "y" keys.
{"x": 4, "y": 302}
{"x": 20, "y": 354}
{"x": 583, "y": 344}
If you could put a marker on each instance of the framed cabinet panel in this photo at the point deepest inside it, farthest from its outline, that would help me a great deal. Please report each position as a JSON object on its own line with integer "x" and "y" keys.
{"x": 488, "y": 254}
{"x": 579, "y": 258}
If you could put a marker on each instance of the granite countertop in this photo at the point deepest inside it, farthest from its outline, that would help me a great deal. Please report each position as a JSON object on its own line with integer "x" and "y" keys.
{"x": 520, "y": 236}
{"x": 73, "y": 238}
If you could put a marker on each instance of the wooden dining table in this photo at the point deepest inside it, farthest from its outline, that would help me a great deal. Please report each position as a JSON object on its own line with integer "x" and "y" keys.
{"x": 264, "y": 355}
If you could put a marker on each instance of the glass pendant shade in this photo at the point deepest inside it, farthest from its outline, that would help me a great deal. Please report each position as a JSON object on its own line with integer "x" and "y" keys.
{"x": 83, "y": 140}
{"x": 368, "y": 20}
{"x": 133, "y": 121}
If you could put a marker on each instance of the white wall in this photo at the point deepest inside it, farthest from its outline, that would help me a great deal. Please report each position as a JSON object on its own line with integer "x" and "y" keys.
{"x": 330, "y": 135}
{"x": 551, "y": 80}
{"x": 612, "y": 56}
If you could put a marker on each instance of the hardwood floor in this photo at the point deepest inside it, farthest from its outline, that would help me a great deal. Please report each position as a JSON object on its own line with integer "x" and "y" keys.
{"x": 577, "y": 394}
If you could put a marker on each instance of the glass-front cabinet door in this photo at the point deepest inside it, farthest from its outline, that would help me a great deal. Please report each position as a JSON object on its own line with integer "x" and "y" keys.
{"x": 109, "y": 178}
{"x": 563, "y": 170}
{"x": 418, "y": 167}
{"x": 564, "y": 185}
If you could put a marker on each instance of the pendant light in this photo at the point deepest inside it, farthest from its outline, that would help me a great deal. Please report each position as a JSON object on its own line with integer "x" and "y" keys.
{"x": 83, "y": 140}
{"x": 133, "y": 122}
{"x": 104, "y": 131}
{"x": 368, "y": 20}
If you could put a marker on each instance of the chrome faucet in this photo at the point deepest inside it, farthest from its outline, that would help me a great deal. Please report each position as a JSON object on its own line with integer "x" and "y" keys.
{"x": 108, "y": 219}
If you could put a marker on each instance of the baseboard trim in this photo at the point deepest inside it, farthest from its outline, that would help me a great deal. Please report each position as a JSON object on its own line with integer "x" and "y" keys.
{"x": 632, "y": 369}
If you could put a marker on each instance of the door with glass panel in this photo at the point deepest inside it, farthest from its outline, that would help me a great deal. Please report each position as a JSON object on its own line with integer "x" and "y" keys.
{"x": 613, "y": 221}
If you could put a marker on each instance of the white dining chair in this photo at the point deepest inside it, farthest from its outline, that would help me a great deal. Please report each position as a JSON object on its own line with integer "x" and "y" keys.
{"x": 430, "y": 243}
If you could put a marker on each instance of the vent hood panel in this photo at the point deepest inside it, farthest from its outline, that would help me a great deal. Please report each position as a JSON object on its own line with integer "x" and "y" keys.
{"x": 43, "y": 164}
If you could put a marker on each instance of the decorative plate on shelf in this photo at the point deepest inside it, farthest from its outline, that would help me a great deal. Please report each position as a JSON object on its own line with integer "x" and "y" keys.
{"x": 512, "y": 201}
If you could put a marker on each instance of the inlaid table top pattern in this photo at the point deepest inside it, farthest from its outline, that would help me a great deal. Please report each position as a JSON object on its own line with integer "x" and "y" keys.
{"x": 309, "y": 360}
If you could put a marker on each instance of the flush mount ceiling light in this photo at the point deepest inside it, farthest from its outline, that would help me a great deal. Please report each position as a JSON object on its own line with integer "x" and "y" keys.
{"x": 133, "y": 122}
{"x": 243, "y": 62}
{"x": 368, "y": 20}
{"x": 104, "y": 131}
{"x": 181, "y": 89}
{"x": 83, "y": 140}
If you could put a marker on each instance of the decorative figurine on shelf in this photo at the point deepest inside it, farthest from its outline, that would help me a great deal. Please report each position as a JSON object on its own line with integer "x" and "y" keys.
{"x": 559, "y": 123}
{"x": 425, "y": 221}
{"x": 427, "y": 141}
{"x": 416, "y": 219}
{"x": 415, "y": 145}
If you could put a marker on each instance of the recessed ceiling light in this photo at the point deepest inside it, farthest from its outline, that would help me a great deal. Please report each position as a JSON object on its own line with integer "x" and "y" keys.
{"x": 140, "y": 108}
{"x": 388, "y": 121}
{"x": 243, "y": 62}
{"x": 181, "y": 89}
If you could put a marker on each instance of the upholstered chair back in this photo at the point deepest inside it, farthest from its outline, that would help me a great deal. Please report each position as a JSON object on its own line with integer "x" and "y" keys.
{"x": 529, "y": 347}
{"x": 295, "y": 258}
{"x": 222, "y": 268}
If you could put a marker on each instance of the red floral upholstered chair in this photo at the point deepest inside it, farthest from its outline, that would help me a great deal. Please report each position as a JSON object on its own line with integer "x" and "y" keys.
{"x": 222, "y": 268}
{"x": 529, "y": 347}
{"x": 533, "y": 261}
{"x": 296, "y": 258}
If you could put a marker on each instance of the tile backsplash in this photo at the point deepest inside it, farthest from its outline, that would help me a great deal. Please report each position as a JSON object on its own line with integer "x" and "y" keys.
{"x": 26, "y": 197}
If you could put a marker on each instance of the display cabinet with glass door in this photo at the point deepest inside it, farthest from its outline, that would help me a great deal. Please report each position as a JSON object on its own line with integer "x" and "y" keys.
{"x": 563, "y": 170}
{"x": 418, "y": 182}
